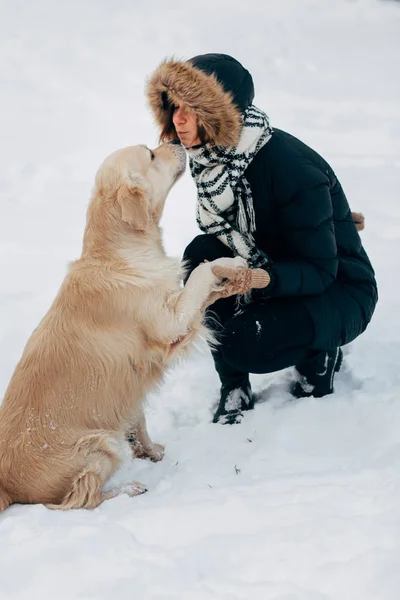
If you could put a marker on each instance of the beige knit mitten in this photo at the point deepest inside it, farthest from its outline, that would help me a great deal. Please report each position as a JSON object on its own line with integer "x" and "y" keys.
{"x": 359, "y": 220}
{"x": 238, "y": 281}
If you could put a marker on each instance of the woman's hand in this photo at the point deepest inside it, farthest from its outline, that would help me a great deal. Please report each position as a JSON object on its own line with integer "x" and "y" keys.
{"x": 236, "y": 280}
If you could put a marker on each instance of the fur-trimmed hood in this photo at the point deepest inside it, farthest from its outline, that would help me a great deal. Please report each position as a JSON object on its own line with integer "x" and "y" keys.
{"x": 216, "y": 86}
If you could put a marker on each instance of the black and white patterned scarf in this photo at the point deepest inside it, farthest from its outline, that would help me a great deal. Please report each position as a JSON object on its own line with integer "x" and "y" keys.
{"x": 224, "y": 201}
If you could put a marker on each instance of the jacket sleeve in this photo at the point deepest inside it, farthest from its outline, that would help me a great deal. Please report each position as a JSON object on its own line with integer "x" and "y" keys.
{"x": 309, "y": 238}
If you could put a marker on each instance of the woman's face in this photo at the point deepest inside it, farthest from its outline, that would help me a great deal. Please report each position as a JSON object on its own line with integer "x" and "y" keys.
{"x": 185, "y": 122}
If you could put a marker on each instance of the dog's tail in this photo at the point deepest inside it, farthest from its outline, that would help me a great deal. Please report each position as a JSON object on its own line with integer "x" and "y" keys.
{"x": 5, "y": 499}
{"x": 98, "y": 456}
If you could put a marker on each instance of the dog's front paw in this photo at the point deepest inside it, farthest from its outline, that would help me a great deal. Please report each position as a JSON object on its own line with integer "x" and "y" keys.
{"x": 236, "y": 262}
{"x": 156, "y": 453}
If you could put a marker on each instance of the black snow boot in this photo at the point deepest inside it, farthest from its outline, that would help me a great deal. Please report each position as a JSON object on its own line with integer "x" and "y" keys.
{"x": 317, "y": 373}
{"x": 234, "y": 400}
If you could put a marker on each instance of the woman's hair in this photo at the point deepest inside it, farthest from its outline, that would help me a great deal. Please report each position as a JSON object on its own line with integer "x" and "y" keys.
{"x": 202, "y": 134}
{"x": 168, "y": 132}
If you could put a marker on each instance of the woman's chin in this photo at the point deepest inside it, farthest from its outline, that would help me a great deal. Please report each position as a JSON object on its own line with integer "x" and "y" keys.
{"x": 189, "y": 143}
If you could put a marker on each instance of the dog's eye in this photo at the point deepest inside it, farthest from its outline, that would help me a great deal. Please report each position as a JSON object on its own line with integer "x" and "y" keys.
{"x": 152, "y": 155}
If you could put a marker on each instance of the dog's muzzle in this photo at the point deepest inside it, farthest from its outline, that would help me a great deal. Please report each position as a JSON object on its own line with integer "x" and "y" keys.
{"x": 180, "y": 153}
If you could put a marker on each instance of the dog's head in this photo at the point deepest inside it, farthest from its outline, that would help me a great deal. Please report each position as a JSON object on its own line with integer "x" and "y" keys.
{"x": 135, "y": 181}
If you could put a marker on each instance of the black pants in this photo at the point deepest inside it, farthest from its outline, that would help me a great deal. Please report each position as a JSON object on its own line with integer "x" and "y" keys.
{"x": 261, "y": 337}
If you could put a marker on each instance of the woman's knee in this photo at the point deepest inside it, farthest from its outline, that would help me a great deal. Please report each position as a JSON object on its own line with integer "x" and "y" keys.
{"x": 265, "y": 337}
{"x": 237, "y": 347}
{"x": 205, "y": 247}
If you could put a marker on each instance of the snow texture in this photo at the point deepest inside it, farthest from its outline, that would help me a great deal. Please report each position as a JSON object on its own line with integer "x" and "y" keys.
{"x": 301, "y": 500}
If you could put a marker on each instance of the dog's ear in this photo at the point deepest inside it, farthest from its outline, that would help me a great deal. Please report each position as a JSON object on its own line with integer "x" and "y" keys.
{"x": 133, "y": 202}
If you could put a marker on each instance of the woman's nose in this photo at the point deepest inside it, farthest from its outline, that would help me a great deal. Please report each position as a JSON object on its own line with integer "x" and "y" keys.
{"x": 180, "y": 115}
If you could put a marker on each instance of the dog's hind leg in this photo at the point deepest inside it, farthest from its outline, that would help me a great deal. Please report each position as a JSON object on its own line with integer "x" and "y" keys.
{"x": 98, "y": 456}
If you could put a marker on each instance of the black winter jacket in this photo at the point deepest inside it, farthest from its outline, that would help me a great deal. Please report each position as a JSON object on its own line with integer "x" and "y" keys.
{"x": 303, "y": 219}
{"x": 304, "y": 224}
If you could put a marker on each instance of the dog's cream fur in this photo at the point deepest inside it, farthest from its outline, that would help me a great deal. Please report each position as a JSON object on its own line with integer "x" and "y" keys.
{"x": 119, "y": 319}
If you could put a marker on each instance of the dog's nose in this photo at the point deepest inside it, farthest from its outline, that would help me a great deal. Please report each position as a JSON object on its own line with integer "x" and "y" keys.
{"x": 176, "y": 141}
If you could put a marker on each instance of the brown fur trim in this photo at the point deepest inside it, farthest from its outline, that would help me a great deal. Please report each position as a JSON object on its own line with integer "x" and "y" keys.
{"x": 182, "y": 83}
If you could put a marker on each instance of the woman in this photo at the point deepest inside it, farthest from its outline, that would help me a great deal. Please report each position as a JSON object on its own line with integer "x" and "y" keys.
{"x": 265, "y": 195}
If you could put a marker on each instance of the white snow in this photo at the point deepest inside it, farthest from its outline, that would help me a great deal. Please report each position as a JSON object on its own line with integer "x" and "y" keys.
{"x": 301, "y": 500}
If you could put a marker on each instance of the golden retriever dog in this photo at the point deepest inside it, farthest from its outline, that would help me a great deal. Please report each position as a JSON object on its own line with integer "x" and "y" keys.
{"x": 120, "y": 318}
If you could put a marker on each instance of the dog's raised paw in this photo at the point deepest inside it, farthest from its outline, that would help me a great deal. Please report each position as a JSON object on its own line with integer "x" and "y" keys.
{"x": 238, "y": 261}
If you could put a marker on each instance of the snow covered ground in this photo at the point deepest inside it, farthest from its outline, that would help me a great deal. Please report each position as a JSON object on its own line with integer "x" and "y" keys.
{"x": 301, "y": 501}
